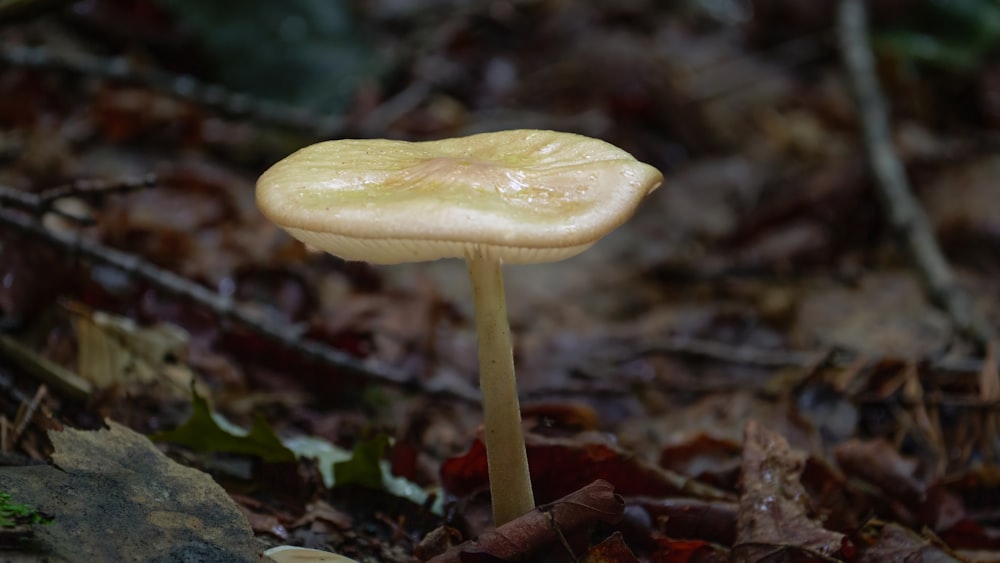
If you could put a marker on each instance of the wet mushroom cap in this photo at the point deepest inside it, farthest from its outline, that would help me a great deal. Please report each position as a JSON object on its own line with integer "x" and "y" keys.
{"x": 522, "y": 196}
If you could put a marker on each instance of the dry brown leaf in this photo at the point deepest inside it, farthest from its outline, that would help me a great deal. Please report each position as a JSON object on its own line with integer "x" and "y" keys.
{"x": 774, "y": 518}
{"x": 882, "y": 541}
{"x": 561, "y": 524}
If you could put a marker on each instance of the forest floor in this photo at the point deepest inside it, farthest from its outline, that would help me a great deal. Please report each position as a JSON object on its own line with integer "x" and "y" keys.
{"x": 753, "y": 362}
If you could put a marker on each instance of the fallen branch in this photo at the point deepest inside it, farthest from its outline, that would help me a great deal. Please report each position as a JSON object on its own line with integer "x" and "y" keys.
{"x": 907, "y": 218}
{"x": 224, "y": 307}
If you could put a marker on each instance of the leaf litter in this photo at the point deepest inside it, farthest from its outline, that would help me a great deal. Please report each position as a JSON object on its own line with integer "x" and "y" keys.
{"x": 820, "y": 421}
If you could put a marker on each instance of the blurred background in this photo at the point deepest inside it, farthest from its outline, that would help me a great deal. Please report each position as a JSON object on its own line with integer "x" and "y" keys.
{"x": 761, "y": 281}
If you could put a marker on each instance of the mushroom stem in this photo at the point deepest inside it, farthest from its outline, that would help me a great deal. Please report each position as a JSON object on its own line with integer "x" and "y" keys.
{"x": 510, "y": 483}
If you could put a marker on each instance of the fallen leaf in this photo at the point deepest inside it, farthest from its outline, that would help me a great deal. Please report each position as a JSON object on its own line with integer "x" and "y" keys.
{"x": 114, "y": 350}
{"x": 204, "y": 432}
{"x": 265, "y": 524}
{"x": 687, "y": 518}
{"x": 774, "y": 519}
{"x": 364, "y": 468}
{"x": 688, "y": 551}
{"x": 555, "y": 524}
{"x": 114, "y": 497}
{"x": 321, "y": 511}
{"x": 979, "y": 489}
{"x": 436, "y": 542}
{"x": 611, "y": 550}
{"x": 881, "y": 541}
{"x": 884, "y": 315}
{"x": 565, "y": 418}
{"x": 878, "y": 462}
{"x": 704, "y": 457}
{"x": 561, "y": 466}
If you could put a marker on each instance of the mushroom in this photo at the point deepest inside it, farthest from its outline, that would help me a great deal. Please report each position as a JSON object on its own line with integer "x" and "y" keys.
{"x": 522, "y": 196}
{"x": 293, "y": 554}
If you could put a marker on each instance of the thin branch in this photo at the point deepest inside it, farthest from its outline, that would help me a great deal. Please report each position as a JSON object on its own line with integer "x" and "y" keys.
{"x": 225, "y": 308}
{"x": 907, "y": 218}
{"x": 184, "y": 87}
{"x": 39, "y": 203}
{"x": 55, "y": 376}
{"x": 87, "y": 188}
{"x": 742, "y": 355}
{"x": 605, "y": 366}
{"x": 784, "y": 358}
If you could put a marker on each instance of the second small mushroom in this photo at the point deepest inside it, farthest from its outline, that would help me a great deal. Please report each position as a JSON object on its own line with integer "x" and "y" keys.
{"x": 522, "y": 196}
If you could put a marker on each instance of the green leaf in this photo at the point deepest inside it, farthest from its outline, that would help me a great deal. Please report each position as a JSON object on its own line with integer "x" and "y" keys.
{"x": 364, "y": 467}
{"x": 208, "y": 432}
{"x": 328, "y": 456}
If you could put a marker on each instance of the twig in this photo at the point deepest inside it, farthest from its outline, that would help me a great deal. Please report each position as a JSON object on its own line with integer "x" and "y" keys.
{"x": 600, "y": 372}
{"x": 907, "y": 218}
{"x": 224, "y": 307}
{"x": 743, "y": 355}
{"x": 764, "y": 357}
{"x": 87, "y": 187}
{"x": 184, "y": 87}
{"x": 41, "y": 202}
{"x": 26, "y": 412}
{"x": 53, "y": 375}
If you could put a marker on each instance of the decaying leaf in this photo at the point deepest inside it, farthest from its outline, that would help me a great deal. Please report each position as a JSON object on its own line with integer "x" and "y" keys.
{"x": 705, "y": 457}
{"x": 878, "y": 463}
{"x": 611, "y": 550}
{"x": 560, "y": 524}
{"x": 114, "y": 350}
{"x": 881, "y": 541}
{"x": 114, "y": 497}
{"x": 687, "y": 518}
{"x": 886, "y": 315}
{"x": 689, "y": 551}
{"x": 560, "y": 466}
{"x": 903, "y": 495}
{"x": 774, "y": 519}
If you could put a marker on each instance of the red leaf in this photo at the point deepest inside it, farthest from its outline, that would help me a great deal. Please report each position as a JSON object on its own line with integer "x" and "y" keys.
{"x": 561, "y": 466}
{"x": 678, "y": 551}
{"x": 611, "y": 550}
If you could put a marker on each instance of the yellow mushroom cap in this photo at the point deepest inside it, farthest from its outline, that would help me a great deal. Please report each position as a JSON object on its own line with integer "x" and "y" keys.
{"x": 522, "y": 196}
